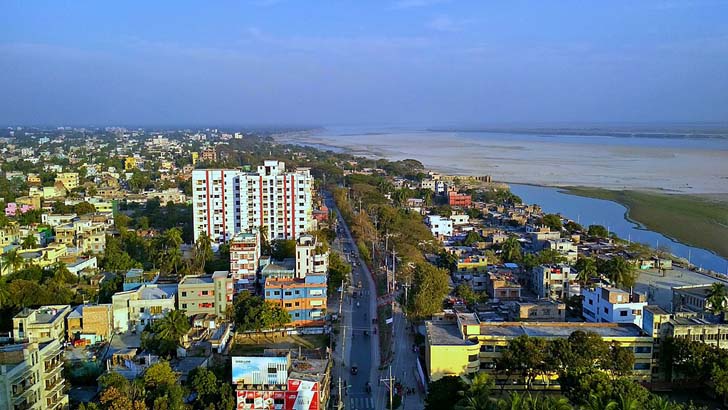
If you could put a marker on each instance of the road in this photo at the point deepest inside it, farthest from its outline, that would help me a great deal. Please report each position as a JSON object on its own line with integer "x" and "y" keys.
{"x": 359, "y": 350}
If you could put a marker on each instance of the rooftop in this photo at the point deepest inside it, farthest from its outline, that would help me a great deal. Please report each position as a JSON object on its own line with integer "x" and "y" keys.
{"x": 559, "y": 330}
{"x": 445, "y": 333}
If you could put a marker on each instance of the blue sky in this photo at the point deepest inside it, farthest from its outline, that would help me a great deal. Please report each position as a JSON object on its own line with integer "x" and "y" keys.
{"x": 424, "y": 62}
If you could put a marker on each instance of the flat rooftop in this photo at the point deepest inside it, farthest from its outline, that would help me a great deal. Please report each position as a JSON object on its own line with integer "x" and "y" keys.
{"x": 559, "y": 330}
{"x": 196, "y": 280}
{"x": 444, "y": 333}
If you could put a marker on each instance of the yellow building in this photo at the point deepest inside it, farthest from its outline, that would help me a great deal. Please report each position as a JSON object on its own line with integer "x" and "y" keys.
{"x": 130, "y": 163}
{"x": 34, "y": 179}
{"x": 474, "y": 263}
{"x": 43, "y": 257}
{"x": 195, "y": 157}
{"x": 460, "y": 344}
{"x": 68, "y": 179}
{"x": 31, "y": 376}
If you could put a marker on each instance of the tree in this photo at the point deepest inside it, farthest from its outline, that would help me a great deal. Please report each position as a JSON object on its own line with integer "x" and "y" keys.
{"x": 202, "y": 254}
{"x": 83, "y": 208}
{"x": 284, "y": 248}
{"x": 621, "y": 272}
{"x": 429, "y": 289}
{"x": 441, "y": 394}
{"x": 173, "y": 326}
{"x": 471, "y": 238}
{"x": 573, "y": 227}
{"x": 113, "y": 399}
{"x": 12, "y": 260}
{"x": 586, "y": 269}
{"x": 524, "y": 356}
{"x": 466, "y": 292}
{"x": 716, "y": 300}
{"x": 163, "y": 392}
{"x": 29, "y": 242}
{"x": 252, "y": 313}
{"x": 477, "y": 397}
{"x": 170, "y": 255}
{"x": 511, "y": 249}
{"x": 553, "y": 221}
{"x": 264, "y": 241}
{"x": 597, "y": 231}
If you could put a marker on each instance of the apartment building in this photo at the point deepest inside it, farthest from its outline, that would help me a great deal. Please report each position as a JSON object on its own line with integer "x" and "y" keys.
{"x": 135, "y": 309}
{"x": 604, "y": 304}
{"x": 565, "y": 247}
{"x": 226, "y": 202}
{"x": 439, "y": 226}
{"x": 90, "y": 322}
{"x": 68, "y": 179}
{"x": 31, "y": 377}
{"x": 460, "y": 344}
{"x": 554, "y": 281}
{"x": 206, "y": 294}
{"x": 459, "y": 200}
{"x": 299, "y": 285}
{"x": 539, "y": 311}
{"x": 84, "y": 235}
{"x": 42, "y": 325}
{"x": 690, "y": 297}
{"x": 503, "y": 285}
{"x": 245, "y": 253}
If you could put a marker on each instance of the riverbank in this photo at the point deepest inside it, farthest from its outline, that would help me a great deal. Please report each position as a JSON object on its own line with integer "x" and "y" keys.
{"x": 696, "y": 220}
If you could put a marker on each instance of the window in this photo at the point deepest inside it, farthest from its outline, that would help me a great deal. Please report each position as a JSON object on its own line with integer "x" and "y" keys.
{"x": 486, "y": 348}
{"x": 642, "y": 366}
{"x": 473, "y": 358}
{"x": 643, "y": 349}
{"x": 288, "y": 293}
{"x": 184, "y": 294}
{"x": 184, "y": 306}
{"x": 606, "y": 310}
{"x": 288, "y": 305}
{"x": 623, "y": 313}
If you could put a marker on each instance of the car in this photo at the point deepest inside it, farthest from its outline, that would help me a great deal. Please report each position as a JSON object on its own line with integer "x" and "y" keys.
{"x": 354, "y": 369}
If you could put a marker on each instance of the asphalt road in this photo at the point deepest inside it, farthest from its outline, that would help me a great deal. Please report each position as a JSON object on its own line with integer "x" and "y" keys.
{"x": 362, "y": 349}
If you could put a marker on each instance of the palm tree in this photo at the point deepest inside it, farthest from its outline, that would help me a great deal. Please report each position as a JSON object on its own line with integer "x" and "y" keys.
{"x": 12, "y": 260}
{"x": 202, "y": 254}
{"x": 716, "y": 301}
{"x": 598, "y": 402}
{"x": 29, "y": 242}
{"x": 627, "y": 402}
{"x": 621, "y": 272}
{"x": 173, "y": 326}
{"x": 4, "y": 294}
{"x": 427, "y": 197}
{"x": 586, "y": 269}
{"x": 515, "y": 401}
{"x": 511, "y": 249}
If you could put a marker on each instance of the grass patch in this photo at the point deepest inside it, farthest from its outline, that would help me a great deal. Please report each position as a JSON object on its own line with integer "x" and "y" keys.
{"x": 700, "y": 221}
{"x": 385, "y": 333}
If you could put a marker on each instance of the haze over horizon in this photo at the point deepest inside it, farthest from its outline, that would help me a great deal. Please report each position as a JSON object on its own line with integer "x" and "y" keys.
{"x": 386, "y": 62}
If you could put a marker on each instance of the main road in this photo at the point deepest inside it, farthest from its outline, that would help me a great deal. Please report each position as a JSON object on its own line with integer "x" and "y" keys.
{"x": 360, "y": 345}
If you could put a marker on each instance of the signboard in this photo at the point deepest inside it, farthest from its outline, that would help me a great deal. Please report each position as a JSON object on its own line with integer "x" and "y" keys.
{"x": 258, "y": 370}
{"x": 301, "y": 395}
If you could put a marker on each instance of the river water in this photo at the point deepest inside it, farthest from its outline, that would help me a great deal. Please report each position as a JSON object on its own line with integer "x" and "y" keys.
{"x": 591, "y": 211}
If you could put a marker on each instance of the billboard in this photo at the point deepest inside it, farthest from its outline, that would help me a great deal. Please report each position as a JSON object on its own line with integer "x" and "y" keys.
{"x": 256, "y": 370}
{"x": 298, "y": 395}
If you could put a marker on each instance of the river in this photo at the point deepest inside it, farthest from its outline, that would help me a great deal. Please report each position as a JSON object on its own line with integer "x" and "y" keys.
{"x": 591, "y": 211}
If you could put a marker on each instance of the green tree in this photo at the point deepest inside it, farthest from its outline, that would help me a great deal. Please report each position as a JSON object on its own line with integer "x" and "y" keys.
{"x": 429, "y": 289}
{"x": 252, "y": 313}
{"x": 586, "y": 269}
{"x": 597, "y": 231}
{"x": 443, "y": 393}
{"x": 284, "y": 248}
{"x": 83, "y": 208}
{"x": 553, "y": 221}
{"x": 12, "y": 261}
{"x": 621, "y": 272}
{"x": 716, "y": 300}
{"x": 524, "y": 356}
{"x": 29, "y": 242}
{"x": 477, "y": 397}
{"x": 471, "y": 238}
{"x": 511, "y": 249}
{"x": 466, "y": 292}
{"x": 173, "y": 326}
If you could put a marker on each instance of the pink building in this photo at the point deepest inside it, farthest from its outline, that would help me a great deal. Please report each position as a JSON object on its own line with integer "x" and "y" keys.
{"x": 12, "y": 209}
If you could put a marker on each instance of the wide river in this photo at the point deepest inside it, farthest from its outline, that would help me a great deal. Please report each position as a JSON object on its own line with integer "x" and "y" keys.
{"x": 590, "y": 211}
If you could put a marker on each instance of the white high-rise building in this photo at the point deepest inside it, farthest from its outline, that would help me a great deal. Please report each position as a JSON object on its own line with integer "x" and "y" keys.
{"x": 228, "y": 201}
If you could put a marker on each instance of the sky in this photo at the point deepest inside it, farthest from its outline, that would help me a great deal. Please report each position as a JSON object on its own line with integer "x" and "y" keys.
{"x": 368, "y": 62}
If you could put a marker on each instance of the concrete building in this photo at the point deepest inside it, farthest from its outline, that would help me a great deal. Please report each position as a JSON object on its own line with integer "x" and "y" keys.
{"x": 206, "y": 294}
{"x": 90, "y": 322}
{"x": 540, "y": 234}
{"x": 299, "y": 285}
{"x": 41, "y": 325}
{"x": 439, "y": 226}
{"x": 459, "y": 344}
{"x": 603, "y": 304}
{"x": 31, "y": 377}
{"x": 68, "y": 179}
{"x": 135, "y": 309}
{"x": 540, "y": 311}
{"x": 226, "y": 202}
{"x": 554, "y": 281}
{"x": 459, "y": 200}
{"x": 565, "y": 247}
{"x": 691, "y": 297}
{"x": 245, "y": 258}
{"x": 503, "y": 285}
{"x": 86, "y": 236}
{"x": 136, "y": 278}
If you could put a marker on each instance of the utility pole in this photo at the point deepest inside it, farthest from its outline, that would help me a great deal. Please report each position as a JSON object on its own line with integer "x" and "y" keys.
{"x": 394, "y": 268}
{"x": 341, "y": 402}
{"x": 389, "y": 382}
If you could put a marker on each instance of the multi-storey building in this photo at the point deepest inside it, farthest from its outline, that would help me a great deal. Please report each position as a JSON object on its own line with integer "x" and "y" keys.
{"x": 226, "y": 202}
{"x": 554, "y": 281}
{"x": 31, "y": 377}
{"x": 461, "y": 200}
{"x": 84, "y": 235}
{"x": 604, "y": 304}
{"x": 41, "y": 325}
{"x": 135, "y": 309}
{"x": 691, "y": 297}
{"x": 461, "y": 345}
{"x": 540, "y": 311}
{"x": 299, "y": 285}
{"x": 565, "y": 247}
{"x": 439, "y": 226}
{"x": 206, "y": 294}
{"x": 90, "y": 322}
{"x": 68, "y": 179}
{"x": 245, "y": 258}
